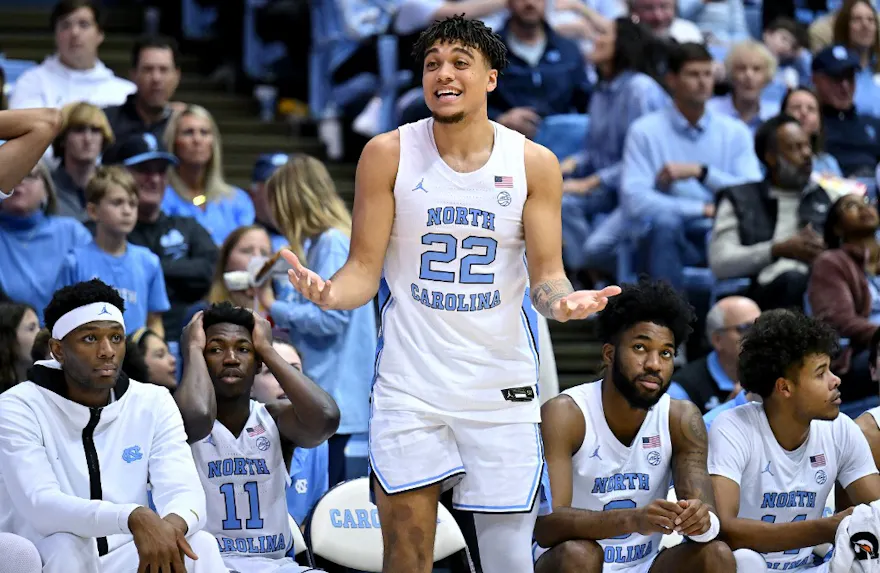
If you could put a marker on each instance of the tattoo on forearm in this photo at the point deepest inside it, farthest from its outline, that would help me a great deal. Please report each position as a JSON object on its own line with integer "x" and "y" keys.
{"x": 690, "y": 473}
{"x": 548, "y": 292}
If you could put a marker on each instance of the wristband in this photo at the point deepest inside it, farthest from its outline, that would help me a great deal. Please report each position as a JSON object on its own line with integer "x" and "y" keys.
{"x": 711, "y": 533}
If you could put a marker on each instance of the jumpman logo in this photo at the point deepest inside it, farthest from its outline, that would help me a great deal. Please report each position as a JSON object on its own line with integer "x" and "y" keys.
{"x": 104, "y": 311}
{"x": 596, "y": 453}
{"x": 420, "y": 186}
{"x": 767, "y": 470}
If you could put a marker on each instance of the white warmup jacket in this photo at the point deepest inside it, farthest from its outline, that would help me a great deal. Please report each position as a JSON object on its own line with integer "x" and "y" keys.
{"x": 68, "y": 468}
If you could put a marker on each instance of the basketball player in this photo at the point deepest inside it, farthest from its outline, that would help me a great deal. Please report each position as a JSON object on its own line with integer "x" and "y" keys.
{"x": 613, "y": 445}
{"x": 79, "y": 443}
{"x": 461, "y": 214}
{"x": 242, "y": 448}
{"x": 774, "y": 463}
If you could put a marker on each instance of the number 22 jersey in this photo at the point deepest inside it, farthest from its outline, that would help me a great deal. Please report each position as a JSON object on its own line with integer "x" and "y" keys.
{"x": 458, "y": 331}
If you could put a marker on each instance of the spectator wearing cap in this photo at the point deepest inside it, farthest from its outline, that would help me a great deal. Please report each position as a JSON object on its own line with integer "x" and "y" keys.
{"x": 74, "y": 73}
{"x": 34, "y": 241}
{"x": 155, "y": 70}
{"x": 265, "y": 166}
{"x": 85, "y": 134}
{"x": 197, "y": 188}
{"x": 132, "y": 270}
{"x": 853, "y": 139}
{"x": 185, "y": 249}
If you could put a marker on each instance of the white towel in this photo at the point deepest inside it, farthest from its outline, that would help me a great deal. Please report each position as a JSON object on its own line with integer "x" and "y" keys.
{"x": 856, "y": 545}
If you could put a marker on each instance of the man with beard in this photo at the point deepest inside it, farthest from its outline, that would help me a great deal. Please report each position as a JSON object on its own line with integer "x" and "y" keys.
{"x": 243, "y": 448}
{"x": 768, "y": 230}
{"x": 612, "y": 446}
{"x": 774, "y": 463}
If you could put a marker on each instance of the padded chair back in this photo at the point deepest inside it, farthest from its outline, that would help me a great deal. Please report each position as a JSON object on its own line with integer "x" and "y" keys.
{"x": 344, "y": 529}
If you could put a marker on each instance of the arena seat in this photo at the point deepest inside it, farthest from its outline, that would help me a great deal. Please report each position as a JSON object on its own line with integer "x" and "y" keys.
{"x": 344, "y": 529}
{"x": 300, "y": 548}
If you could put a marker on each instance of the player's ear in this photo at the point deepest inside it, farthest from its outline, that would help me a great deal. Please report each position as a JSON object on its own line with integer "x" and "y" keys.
{"x": 784, "y": 386}
{"x": 55, "y": 349}
{"x": 608, "y": 354}
{"x": 493, "y": 81}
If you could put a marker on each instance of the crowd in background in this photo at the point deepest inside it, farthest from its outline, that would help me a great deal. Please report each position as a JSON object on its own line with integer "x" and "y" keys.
{"x": 728, "y": 148}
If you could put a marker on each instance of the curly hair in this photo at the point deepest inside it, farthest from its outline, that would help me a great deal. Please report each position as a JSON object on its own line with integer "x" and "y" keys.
{"x": 471, "y": 33}
{"x": 646, "y": 301}
{"x": 80, "y": 294}
{"x": 779, "y": 341}
{"x": 227, "y": 313}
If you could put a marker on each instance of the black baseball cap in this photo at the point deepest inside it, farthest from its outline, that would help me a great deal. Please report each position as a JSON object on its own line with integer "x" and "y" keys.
{"x": 266, "y": 165}
{"x": 836, "y": 61}
{"x": 136, "y": 149}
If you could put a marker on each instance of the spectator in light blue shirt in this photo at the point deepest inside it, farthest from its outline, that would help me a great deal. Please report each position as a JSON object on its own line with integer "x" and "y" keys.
{"x": 787, "y": 41}
{"x": 750, "y": 67}
{"x": 134, "y": 271}
{"x": 196, "y": 186}
{"x": 33, "y": 241}
{"x": 625, "y": 93}
{"x": 742, "y": 398}
{"x": 674, "y": 161}
{"x": 856, "y": 28}
{"x": 308, "y": 466}
{"x": 338, "y": 347}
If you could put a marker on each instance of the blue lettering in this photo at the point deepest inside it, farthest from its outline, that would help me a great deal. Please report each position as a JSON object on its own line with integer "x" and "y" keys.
{"x": 488, "y": 221}
{"x": 460, "y": 216}
{"x": 434, "y": 216}
{"x": 214, "y": 469}
{"x": 786, "y": 499}
{"x": 448, "y": 215}
{"x": 238, "y": 467}
{"x": 348, "y": 520}
{"x": 622, "y": 482}
{"x": 252, "y": 545}
{"x": 335, "y": 520}
{"x": 374, "y": 518}
{"x": 228, "y": 466}
{"x": 628, "y": 553}
{"x": 457, "y": 302}
{"x": 363, "y": 518}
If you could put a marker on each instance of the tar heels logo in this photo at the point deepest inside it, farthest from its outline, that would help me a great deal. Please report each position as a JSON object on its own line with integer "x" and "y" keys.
{"x": 132, "y": 454}
{"x": 864, "y": 545}
{"x": 504, "y": 199}
{"x": 821, "y": 477}
{"x": 151, "y": 141}
{"x": 301, "y": 485}
{"x": 654, "y": 458}
{"x": 263, "y": 443}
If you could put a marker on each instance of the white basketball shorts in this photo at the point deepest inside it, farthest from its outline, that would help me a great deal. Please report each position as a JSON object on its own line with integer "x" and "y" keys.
{"x": 260, "y": 564}
{"x": 495, "y": 468}
{"x": 640, "y": 567}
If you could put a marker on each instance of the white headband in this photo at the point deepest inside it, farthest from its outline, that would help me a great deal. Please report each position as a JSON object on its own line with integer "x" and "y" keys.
{"x": 85, "y": 314}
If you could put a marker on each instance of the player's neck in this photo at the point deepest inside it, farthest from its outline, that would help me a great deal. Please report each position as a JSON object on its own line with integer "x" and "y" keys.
{"x": 623, "y": 420}
{"x": 789, "y": 431}
{"x": 84, "y": 396}
{"x": 470, "y": 136}
{"x": 110, "y": 243}
{"x": 234, "y": 413}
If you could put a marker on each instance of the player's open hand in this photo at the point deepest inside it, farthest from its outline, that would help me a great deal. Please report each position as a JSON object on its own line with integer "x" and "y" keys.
{"x": 657, "y": 517}
{"x": 194, "y": 334}
{"x": 307, "y": 282}
{"x": 694, "y": 520}
{"x": 160, "y": 545}
{"x": 582, "y": 303}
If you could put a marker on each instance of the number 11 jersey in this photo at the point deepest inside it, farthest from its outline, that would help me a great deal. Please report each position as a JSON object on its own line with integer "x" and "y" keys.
{"x": 245, "y": 480}
{"x": 458, "y": 331}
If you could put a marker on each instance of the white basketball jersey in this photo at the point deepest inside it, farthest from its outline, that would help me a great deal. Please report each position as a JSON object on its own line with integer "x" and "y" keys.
{"x": 457, "y": 326}
{"x": 781, "y": 486}
{"x": 610, "y": 475}
{"x": 245, "y": 480}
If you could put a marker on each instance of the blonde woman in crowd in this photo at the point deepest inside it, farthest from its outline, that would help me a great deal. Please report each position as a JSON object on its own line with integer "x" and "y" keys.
{"x": 196, "y": 187}
{"x": 750, "y": 68}
{"x": 85, "y": 135}
{"x": 338, "y": 347}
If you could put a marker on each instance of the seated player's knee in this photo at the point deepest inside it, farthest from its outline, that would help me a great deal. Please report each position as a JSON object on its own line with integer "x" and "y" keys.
{"x": 19, "y": 555}
{"x": 63, "y": 552}
{"x": 575, "y": 556}
{"x": 748, "y": 560}
{"x": 716, "y": 557}
{"x": 202, "y": 542}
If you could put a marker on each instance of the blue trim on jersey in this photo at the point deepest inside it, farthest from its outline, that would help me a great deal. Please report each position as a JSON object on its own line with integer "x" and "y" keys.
{"x": 535, "y": 488}
{"x": 385, "y": 302}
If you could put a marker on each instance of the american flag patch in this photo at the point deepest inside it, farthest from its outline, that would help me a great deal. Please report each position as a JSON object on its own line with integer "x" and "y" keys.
{"x": 256, "y": 430}
{"x": 652, "y": 442}
{"x": 817, "y": 461}
{"x": 503, "y": 182}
